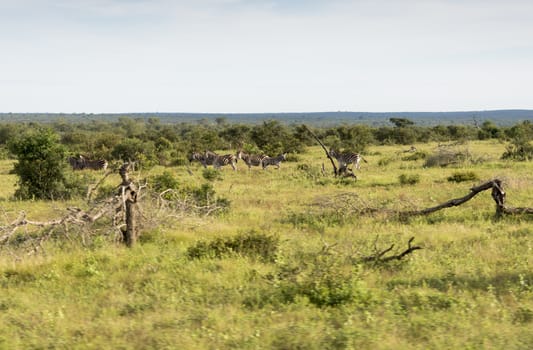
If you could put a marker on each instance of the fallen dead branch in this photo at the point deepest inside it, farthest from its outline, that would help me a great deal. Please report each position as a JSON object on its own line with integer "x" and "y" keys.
{"x": 498, "y": 194}
{"x": 379, "y": 257}
{"x": 119, "y": 208}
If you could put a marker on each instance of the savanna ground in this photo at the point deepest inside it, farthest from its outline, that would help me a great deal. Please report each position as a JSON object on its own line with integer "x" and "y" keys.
{"x": 470, "y": 287}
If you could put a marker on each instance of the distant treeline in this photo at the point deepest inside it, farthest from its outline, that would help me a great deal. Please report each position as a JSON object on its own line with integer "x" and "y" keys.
{"x": 498, "y": 117}
{"x": 152, "y": 141}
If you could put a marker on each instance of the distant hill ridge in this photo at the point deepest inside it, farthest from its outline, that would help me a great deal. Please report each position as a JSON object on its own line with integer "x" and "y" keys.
{"x": 499, "y": 117}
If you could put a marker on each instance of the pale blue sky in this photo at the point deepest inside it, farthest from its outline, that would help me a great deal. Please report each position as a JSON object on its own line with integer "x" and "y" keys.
{"x": 114, "y": 56}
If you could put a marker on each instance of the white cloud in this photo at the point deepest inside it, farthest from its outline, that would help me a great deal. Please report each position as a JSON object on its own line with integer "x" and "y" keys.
{"x": 262, "y": 56}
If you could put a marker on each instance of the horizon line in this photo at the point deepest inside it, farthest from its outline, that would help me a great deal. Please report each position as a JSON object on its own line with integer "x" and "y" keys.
{"x": 302, "y": 112}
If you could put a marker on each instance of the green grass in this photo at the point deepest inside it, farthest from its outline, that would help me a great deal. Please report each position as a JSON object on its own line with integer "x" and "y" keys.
{"x": 470, "y": 287}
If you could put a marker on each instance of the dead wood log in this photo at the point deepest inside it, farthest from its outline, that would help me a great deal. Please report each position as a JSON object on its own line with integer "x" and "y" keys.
{"x": 124, "y": 202}
{"x": 498, "y": 194}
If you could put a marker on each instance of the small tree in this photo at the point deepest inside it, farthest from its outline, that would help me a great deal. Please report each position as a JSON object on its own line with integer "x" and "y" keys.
{"x": 41, "y": 166}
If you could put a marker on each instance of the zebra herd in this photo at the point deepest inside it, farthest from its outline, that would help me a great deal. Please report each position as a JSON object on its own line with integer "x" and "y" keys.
{"x": 218, "y": 161}
{"x": 260, "y": 160}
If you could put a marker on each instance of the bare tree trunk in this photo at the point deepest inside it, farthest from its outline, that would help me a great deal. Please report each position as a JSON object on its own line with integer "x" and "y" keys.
{"x": 335, "y": 171}
{"x": 129, "y": 199}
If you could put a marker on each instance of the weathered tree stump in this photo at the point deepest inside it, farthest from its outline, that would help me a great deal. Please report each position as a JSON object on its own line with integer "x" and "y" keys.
{"x": 128, "y": 192}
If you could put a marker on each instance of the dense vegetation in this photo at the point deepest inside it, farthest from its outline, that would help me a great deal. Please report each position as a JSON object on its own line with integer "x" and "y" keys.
{"x": 269, "y": 259}
{"x": 151, "y": 142}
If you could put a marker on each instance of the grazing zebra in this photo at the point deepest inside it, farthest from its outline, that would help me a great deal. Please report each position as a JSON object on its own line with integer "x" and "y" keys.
{"x": 251, "y": 159}
{"x": 76, "y": 162}
{"x": 274, "y": 160}
{"x": 222, "y": 160}
{"x": 206, "y": 158}
{"x": 346, "y": 158}
{"x": 81, "y": 163}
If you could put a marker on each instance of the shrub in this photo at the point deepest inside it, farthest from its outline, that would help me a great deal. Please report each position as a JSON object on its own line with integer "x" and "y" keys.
{"x": 41, "y": 167}
{"x": 448, "y": 157}
{"x": 309, "y": 171}
{"x": 416, "y": 156}
{"x": 211, "y": 174}
{"x": 463, "y": 176}
{"x": 385, "y": 161}
{"x": 205, "y": 196}
{"x": 519, "y": 149}
{"x": 251, "y": 244}
{"x": 406, "y": 179}
{"x": 324, "y": 278}
{"x": 164, "y": 182}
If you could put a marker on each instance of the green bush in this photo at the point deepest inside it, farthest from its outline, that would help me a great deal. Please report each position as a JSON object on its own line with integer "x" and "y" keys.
{"x": 406, "y": 179}
{"x": 416, "y": 156}
{"x": 41, "y": 167}
{"x": 385, "y": 161}
{"x": 323, "y": 278}
{"x": 447, "y": 157}
{"x": 211, "y": 174}
{"x": 205, "y": 196}
{"x": 520, "y": 150}
{"x": 463, "y": 176}
{"x": 164, "y": 182}
{"x": 251, "y": 244}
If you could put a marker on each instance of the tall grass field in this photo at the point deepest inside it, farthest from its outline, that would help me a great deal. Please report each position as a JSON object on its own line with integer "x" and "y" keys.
{"x": 282, "y": 267}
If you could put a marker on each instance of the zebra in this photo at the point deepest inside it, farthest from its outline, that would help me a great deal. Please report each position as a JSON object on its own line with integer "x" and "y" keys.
{"x": 251, "y": 159}
{"x": 76, "y": 162}
{"x": 81, "y": 163}
{"x": 274, "y": 160}
{"x": 222, "y": 160}
{"x": 206, "y": 158}
{"x": 346, "y": 158}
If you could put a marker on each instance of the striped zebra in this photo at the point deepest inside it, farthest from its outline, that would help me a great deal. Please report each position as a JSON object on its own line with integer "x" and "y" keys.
{"x": 206, "y": 158}
{"x": 81, "y": 163}
{"x": 222, "y": 160}
{"x": 251, "y": 159}
{"x": 345, "y": 158}
{"x": 274, "y": 160}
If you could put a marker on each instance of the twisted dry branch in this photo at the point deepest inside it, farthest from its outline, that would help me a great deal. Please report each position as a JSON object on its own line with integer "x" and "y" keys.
{"x": 379, "y": 256}
{"x": 498, "y": 194}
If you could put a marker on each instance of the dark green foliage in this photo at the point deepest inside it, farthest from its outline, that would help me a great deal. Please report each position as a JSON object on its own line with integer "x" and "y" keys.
{"x": 272, "y": 137}
{"x": 463, "y": 176}
{"x": 401, "y": 122}
{"x": 148, "y": 141}
{"x": 522, "y": 131}
{"x": 143, "y": 153}
{"x": 489, "y": 130}
{"x": 41, "y": 167}
{"x": 325, "y": 279}
{"x": 164, "y": 182}
{"x": 520, "y": 150}
{"x": 406, "y": 179}
{"x": 354, "y": 137}
{"x": 416, "y": 156}
{"x": 523, "y": 315}
{"x": 236, "y": 136}
{"x": 521, "y": 146}
{"x": 253, "y": 244}
{"x": 205, "y": 196}
{"x": 211, "y": 174}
